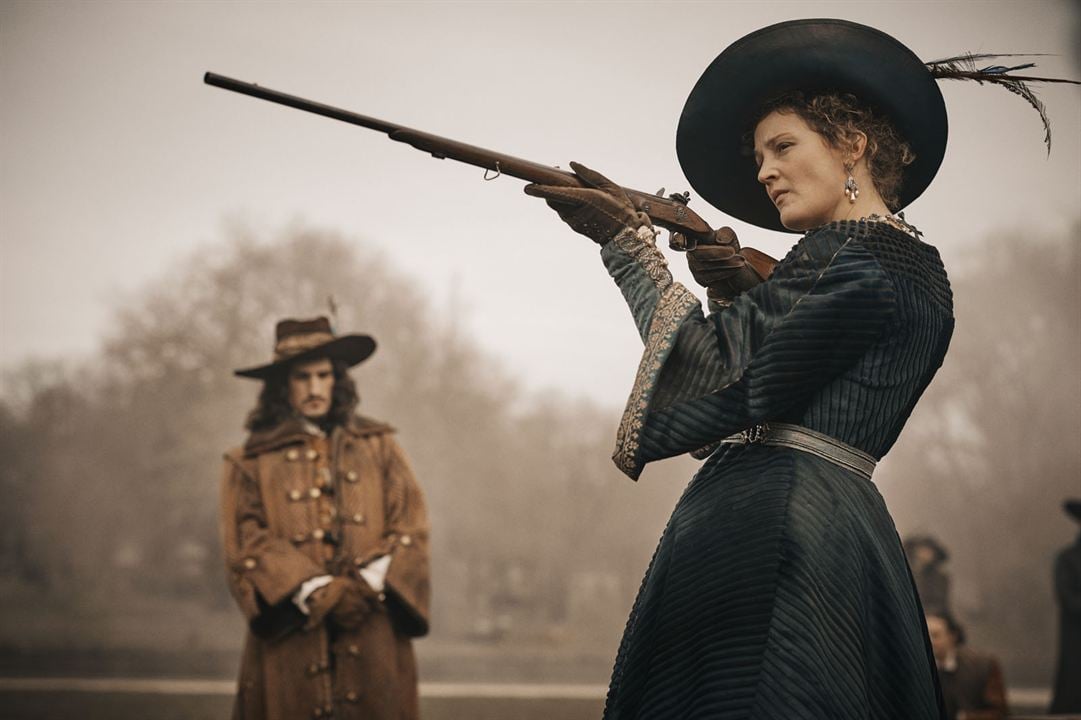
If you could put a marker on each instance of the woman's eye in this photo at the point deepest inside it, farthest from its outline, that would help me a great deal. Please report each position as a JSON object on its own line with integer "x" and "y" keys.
{"x": 781, "y": 147}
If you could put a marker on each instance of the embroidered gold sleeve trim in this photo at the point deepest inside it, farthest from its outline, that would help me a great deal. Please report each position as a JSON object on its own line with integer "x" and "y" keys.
{"x": 676, "y": 301}
{"x": 641, "y": 244}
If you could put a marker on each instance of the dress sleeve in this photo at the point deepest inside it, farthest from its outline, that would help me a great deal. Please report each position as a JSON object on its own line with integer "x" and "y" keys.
{"x": 263, "y": 570}
{"x": 407, "y": 580}
{"x": 701, "y": 379}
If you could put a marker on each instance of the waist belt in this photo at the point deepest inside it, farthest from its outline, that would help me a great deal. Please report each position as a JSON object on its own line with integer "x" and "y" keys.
{"x": 808, "y": 441}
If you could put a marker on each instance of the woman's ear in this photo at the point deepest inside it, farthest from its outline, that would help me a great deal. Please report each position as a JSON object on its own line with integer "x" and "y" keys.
{"x": 857, "y": 146}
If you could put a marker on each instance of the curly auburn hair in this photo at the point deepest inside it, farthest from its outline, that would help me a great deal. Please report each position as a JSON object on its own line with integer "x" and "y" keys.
{"x": 839, "y": 117}
{"x": 273, "y": 407}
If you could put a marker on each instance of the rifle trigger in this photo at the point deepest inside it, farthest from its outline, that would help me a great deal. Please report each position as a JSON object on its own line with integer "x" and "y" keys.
{"x": 498, "y": 172}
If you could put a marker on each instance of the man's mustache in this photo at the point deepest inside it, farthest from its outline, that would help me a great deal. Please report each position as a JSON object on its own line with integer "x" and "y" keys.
{"x": 314, "y": 398}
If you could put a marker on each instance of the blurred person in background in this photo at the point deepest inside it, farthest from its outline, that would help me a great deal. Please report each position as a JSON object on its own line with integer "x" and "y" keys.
{"x": 972, "y": 683}
{"x": 1067, "y": 692}
{"x": 326, "y": 542}
{"x": 926, "y": 556}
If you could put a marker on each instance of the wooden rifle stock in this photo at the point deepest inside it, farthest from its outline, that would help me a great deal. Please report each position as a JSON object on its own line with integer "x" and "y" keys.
{"x": 687, "y": 228}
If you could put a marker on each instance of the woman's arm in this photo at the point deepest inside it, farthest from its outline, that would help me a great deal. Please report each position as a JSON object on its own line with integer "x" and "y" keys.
{"x": 701, "y": 379}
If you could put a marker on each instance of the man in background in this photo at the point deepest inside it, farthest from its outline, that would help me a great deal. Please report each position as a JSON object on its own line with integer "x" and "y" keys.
{"x": 1067, "y": 697}
{"x": 926, "y": 557}
{"x": 325, "y": 536}
{"x": 972, "y": 683}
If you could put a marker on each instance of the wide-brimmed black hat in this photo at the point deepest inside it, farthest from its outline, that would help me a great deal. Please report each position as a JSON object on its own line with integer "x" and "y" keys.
{"x": 1073, "y": 507}
{"x": 812, "y": 56}
{"x": 299, "y": 340}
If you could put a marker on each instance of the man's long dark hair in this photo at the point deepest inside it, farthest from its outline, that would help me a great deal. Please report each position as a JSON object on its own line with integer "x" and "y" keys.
{"x": 273, "y": 407}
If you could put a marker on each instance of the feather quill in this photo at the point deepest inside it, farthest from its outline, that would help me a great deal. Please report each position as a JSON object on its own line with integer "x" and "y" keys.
{"x": 966, "y": 67}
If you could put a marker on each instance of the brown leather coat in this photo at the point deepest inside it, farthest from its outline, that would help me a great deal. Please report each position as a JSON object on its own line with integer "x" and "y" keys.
{"x": 296, "y": 505}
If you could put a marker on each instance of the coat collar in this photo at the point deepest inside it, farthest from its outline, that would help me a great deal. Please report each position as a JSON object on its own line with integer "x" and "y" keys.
{"x": 298, "y": 430}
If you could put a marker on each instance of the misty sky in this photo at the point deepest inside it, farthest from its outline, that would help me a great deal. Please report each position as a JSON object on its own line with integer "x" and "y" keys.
{"x": 116, "y": 162}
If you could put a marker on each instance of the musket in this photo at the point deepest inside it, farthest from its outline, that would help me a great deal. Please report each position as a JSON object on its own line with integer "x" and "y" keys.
{"x": 687, "y": 229}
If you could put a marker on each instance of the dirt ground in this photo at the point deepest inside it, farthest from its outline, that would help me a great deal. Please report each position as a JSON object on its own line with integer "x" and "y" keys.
{"x": 94, "y": 706}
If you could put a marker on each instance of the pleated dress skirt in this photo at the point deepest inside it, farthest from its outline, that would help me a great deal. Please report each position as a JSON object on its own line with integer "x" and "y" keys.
{"x": 779, "y": 589}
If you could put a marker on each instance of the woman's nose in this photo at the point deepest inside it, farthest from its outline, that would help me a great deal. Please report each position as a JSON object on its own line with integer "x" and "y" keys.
{"x": 766, "y": 173}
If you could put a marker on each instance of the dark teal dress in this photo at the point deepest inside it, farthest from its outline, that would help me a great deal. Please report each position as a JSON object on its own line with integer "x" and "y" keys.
{"x": 779, "y": 588}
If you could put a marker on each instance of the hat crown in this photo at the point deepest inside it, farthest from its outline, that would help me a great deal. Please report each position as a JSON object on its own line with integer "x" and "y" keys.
{"x": 292, "y": 326}
{"x": 293, "y": 336}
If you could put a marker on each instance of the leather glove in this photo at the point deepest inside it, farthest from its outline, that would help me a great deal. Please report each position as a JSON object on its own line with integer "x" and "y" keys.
{"x": 724, "y": 269}
{"x": 344, "y": 602}
{"x": 600, "y": 210}
{"x": 323, "y": 600}
{"x": 357, "y": 602}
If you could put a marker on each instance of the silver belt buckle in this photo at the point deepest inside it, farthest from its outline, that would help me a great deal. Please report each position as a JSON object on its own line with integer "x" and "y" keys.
{"x": 755, "y": 434}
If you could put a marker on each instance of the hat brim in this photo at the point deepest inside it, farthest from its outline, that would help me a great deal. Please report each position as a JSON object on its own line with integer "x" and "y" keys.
{"x": 1073, "y": 507}
{"x": 351, "y": 349}
{"x": 812, "y": 56}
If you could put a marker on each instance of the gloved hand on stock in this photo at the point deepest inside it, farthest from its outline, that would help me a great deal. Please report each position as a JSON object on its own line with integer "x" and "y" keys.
{"x": 600, "y": 210}
{"x": 726, "y": 270}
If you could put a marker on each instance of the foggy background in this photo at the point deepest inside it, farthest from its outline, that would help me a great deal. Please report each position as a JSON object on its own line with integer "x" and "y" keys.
{"x": 152, "y": 228}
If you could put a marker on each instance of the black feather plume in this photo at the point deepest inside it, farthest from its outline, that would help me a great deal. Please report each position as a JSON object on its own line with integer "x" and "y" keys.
{"x": 965, "y": 67}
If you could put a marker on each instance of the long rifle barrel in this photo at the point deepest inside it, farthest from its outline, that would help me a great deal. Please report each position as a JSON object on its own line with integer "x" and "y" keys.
{"x": 669, "y": 212}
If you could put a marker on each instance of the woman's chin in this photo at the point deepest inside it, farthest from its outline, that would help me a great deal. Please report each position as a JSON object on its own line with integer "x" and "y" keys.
{"x": 795, "y": 222}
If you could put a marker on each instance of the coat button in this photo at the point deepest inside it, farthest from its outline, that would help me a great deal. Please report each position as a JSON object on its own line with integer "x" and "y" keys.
{"x": 314, "y": 493}
{"x": 292, "y": 454}
{"x": 318, "y": 533}
{"x": 299, "y": 538}
{"x": 312, "y": 454}
{"x": 351, "y": 696}
{"x": 354, "y": 650}
{"x": 317, "y": 712}
{"x": 313, "y": 668}
{"x": 406, "y": 540}
{"x": 358, "y": 519}
{"x": 295, "y": 495}
{"x": 382, "y": 597}
{"x": 351, "y": 476}
{"x": 249, "y": 563}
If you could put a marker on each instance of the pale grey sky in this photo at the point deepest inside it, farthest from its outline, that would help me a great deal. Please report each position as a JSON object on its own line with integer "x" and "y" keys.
{"x": 116, "y": 161}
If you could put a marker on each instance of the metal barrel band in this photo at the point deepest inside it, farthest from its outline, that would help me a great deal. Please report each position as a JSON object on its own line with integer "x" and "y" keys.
{"x": 808, "y": 441}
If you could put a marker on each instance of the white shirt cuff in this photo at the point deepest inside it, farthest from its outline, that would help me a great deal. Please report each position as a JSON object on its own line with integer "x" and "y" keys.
{"x": 375, "y": 572}
{"x": 300, "y": 597}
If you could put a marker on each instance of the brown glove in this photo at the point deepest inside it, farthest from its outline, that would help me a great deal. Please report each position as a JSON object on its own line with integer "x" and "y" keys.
{"x": 358, "y": 601}
{"x": 323, "y": 600}
{"x": 600, "y": 210}
{"x": 724, "y": 269}
{"x": 344, "y": 602}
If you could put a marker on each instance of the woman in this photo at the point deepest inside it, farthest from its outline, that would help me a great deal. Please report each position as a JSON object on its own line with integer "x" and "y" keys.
{"x": 779, "y": 588}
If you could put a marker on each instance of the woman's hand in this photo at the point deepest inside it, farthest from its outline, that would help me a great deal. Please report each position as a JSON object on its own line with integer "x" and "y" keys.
{"x": 600, "y": 210}
{"x": 722, "y": 268}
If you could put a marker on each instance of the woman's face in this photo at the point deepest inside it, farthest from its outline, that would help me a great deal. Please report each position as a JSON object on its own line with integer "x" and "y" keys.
{"x": 803, "y": 174}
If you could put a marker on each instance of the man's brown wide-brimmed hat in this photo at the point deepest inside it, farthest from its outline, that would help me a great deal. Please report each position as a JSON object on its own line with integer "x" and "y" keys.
{"x": 1072, "y": 506}
{"x": 299, "y": 340}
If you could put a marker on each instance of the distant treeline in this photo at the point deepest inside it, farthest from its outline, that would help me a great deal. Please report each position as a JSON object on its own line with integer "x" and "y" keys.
{"x": 111, "y": 468}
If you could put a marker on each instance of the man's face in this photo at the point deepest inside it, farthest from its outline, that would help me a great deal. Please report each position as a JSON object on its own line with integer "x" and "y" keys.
{"x": 310, "y": 387}
{"x": 943, "y": 642}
